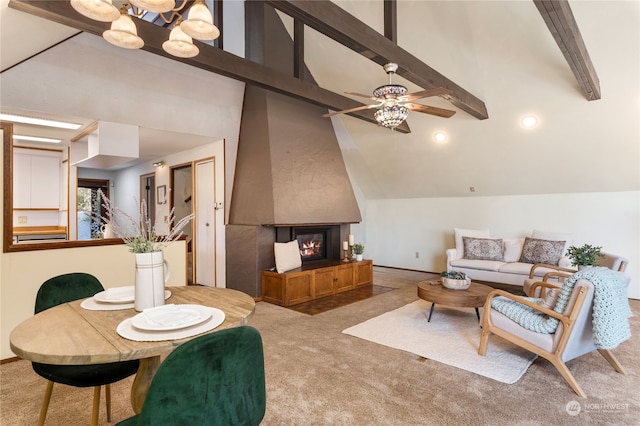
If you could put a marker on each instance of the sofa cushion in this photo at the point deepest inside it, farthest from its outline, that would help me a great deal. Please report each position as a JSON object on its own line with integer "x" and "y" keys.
{"x": 287, "y": 256}
{"x": 482, "y": 249}
{"x": 484, "y": 265}
{"x": 541, "y": 251}
{"x": 512, "y": 249}
{"x": 460, "y": 232}
{"x": 553, "y": 236}
{"x": 517, "y": 268}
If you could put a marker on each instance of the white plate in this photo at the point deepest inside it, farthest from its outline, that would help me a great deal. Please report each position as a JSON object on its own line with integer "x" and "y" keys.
{"x": 170, "y": 317}
{"x": 116, "y": 295}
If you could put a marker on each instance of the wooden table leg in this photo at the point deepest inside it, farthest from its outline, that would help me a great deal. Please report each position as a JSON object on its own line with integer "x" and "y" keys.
{"x": 142, "y": 381}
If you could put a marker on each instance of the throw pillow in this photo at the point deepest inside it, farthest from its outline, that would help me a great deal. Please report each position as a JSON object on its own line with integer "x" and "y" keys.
{"x": 512, "y": 249}
{"x": 459, "y": 233}
{"x": 287, "y": 256}
{"x": 482, "y": 249}
{"x": 541, "y": 251}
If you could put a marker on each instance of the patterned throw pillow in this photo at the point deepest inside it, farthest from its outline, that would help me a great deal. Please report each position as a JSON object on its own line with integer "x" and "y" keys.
{"x": 482, "y": 249}
{"x": 541, "y": 251}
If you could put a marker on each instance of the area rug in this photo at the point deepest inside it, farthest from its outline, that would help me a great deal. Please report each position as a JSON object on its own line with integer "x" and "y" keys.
{"x": 452, "y": 337}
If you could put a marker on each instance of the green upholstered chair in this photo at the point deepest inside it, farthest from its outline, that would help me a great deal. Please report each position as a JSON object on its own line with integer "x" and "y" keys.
{"x": 215, "y": 379}
{"x": 56, "y": 291}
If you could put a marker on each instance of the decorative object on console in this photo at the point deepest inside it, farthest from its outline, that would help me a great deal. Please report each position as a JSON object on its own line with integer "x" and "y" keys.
{"x": 287, "y": 256}
{"x": 140, "y": 235}
{"x": 584, "y": 256}
{"x": 455, "y": 280}
{"x": 358, "y": 249}
{"x": 123, "y": 32}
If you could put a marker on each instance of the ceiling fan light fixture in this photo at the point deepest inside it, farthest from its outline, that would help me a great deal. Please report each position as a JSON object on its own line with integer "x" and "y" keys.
{"x": 199, "y": 23}
{"x": 123, "y": 32}
{"x": 391, "y": 116}
{"x": 99, "y": 10}
{"x": 180, "y": 44}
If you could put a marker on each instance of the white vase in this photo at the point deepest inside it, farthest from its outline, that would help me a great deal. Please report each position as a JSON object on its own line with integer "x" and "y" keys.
{"x": 107, "y": 231}
{"x": 152, "y": 271}
{"x": 358, "y": 258}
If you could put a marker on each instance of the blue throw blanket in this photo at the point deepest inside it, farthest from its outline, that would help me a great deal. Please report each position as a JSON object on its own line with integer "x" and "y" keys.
{"x": 611, "y": 311}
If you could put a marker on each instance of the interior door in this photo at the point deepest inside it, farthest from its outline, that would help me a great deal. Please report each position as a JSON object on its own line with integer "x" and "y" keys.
{"x": 147, "y": 193}
{"x": 205, "y": 224}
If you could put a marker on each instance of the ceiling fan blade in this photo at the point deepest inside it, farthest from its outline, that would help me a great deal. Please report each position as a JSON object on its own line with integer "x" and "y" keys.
{"x": 349, "y": 110}
{"x": 437, "y": 91}
{"x": 361, "y": 95}
{"x": 440, "y": 112}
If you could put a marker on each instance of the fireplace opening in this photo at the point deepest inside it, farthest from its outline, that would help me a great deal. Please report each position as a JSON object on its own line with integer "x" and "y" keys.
{"x": 312, "y": 246}
{"x": 316, "y": 243}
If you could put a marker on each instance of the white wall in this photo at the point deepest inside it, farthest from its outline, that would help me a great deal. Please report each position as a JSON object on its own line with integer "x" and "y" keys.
{"x": 396, "y": 229}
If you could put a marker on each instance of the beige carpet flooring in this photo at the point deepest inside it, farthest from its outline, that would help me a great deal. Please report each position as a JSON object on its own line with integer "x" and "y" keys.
{"x": 318, "y": 376}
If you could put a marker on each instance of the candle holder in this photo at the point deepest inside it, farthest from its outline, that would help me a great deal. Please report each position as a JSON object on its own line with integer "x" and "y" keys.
{"x": 346, "y": 256}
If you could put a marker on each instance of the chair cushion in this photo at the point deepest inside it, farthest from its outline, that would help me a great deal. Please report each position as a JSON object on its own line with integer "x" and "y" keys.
{"x": 482, "y": 248}
{"x": 483, "y": 265}
{"x": 541, "y": 251}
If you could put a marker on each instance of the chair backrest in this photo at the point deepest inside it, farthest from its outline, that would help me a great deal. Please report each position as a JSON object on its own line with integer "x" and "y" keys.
{"x": 65, "y": 288}
{"x": 215, "y": 379}
{"x": 613, "y": 261}
{"x": 611, "y": 313}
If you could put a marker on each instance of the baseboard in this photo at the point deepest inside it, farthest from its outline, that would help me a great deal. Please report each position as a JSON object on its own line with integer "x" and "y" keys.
{"x": 8, "y": 360}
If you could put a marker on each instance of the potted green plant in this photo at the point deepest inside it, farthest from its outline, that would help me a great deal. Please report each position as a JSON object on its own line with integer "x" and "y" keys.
{"x": 584, "y": 256}
{"x": 455, "y": 280}
{"x": 358, "y": 249}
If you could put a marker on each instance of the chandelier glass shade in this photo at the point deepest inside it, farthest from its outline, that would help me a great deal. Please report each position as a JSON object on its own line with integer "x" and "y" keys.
{"x": 98, "y": 10}
{"x": 391, "y": 116}
{"x": 180, "y": 44}
{"x": 123, "y": 33}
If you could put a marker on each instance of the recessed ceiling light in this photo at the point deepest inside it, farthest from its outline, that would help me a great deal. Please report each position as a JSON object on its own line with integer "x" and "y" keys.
{"x": 15, "y": 118}
{"x": 529, "y": 121}
{"x": 440, "y": 137}
{"x": 36, "y": 139}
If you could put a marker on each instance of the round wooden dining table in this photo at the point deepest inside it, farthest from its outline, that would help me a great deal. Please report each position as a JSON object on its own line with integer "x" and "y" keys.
{"x": 68, "y": 334}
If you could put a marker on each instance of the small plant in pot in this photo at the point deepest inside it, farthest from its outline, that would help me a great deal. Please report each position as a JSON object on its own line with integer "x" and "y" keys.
{"x": 455, "y": 280}
{"x": 358, "y": 249}
{"x": 584, "y": 256}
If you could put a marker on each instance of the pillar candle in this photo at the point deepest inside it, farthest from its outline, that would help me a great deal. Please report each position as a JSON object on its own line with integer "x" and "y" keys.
{"x": 351, "y": 240}
{"x": 345, "y": 245}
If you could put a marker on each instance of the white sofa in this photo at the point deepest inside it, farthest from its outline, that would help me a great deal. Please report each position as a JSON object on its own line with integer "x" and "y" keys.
{"x": 505, "y": 265}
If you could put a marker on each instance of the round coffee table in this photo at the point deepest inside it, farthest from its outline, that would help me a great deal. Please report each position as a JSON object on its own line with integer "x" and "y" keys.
{"x": 433, "y": 291}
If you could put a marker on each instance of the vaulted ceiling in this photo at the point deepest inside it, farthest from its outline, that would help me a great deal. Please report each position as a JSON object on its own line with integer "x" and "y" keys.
{"x": 503, "y": 55}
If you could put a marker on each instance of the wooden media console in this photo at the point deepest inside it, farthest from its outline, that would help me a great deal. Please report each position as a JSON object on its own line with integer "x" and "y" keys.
{"x": 314, "y": 281}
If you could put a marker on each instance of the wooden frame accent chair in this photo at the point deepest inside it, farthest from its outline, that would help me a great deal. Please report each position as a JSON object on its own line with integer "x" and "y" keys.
{"x": 572, "y": 338}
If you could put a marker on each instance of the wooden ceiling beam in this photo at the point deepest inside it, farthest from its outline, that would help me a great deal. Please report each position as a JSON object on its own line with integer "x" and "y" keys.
{"x": 335, "y": 23}
{"x": 210, "y": 59}
{"x": 559, "y": 18}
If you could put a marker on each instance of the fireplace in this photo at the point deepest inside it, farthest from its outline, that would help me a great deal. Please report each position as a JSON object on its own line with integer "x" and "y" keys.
{"x": 316, "y": 243}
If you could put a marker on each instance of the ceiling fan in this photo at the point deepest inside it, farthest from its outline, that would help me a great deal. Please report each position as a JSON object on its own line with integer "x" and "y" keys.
{"x": 394, "y": 103}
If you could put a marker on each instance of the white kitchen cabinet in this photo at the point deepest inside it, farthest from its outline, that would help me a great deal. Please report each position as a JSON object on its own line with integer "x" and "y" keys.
{"x": 36, "y": 179}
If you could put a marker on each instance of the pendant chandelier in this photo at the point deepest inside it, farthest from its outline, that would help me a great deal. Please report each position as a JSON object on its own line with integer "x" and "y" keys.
{"x": 123, "y": 32}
